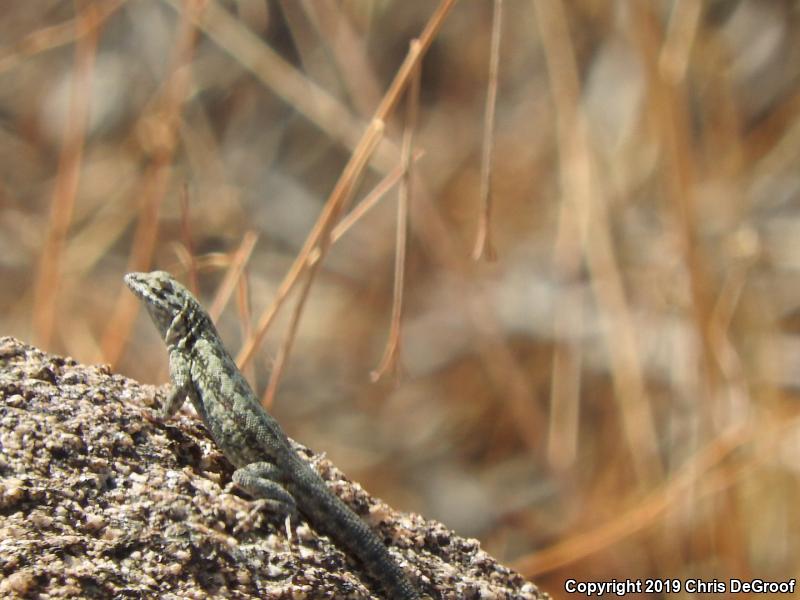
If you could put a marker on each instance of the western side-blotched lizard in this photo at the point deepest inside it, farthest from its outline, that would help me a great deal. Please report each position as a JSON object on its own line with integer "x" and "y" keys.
{"x": 266, "y": 464}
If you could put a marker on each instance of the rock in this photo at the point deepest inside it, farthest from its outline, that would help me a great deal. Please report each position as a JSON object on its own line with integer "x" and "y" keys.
{"x": 100, "y": 499}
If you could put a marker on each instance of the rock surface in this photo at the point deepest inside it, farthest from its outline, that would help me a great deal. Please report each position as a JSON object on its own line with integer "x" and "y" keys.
{"x": 100, "y": 499}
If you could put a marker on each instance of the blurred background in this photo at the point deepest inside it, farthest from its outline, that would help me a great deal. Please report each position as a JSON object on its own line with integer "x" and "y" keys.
{"x": 614, "y": 395}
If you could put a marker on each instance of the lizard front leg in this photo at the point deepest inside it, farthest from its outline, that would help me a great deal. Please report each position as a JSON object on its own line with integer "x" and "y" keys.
{"x": 181, "y": 388}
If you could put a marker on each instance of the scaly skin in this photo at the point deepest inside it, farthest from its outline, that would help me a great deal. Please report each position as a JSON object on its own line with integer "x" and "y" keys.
{"x": 267, "y": 467}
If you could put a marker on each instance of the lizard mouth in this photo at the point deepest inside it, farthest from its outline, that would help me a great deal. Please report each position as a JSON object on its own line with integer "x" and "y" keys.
{"x": 135, "y": 283}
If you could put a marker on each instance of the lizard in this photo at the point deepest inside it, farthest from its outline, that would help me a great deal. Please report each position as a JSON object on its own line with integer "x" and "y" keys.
{"x": 267, "y": 467}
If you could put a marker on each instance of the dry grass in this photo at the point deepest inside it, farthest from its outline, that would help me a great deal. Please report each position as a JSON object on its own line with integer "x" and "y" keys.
{"x": 613, "y": 397}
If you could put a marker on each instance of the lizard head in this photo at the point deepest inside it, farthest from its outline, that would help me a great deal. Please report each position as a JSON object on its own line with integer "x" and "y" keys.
{"x": 171, "y": 306}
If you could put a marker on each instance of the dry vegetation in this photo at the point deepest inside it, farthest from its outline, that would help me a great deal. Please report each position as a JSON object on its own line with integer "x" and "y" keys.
{"x": 614, "y": 395}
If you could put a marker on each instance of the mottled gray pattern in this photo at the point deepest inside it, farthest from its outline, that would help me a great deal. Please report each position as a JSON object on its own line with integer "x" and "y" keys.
{"x": 267, "y": 467}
